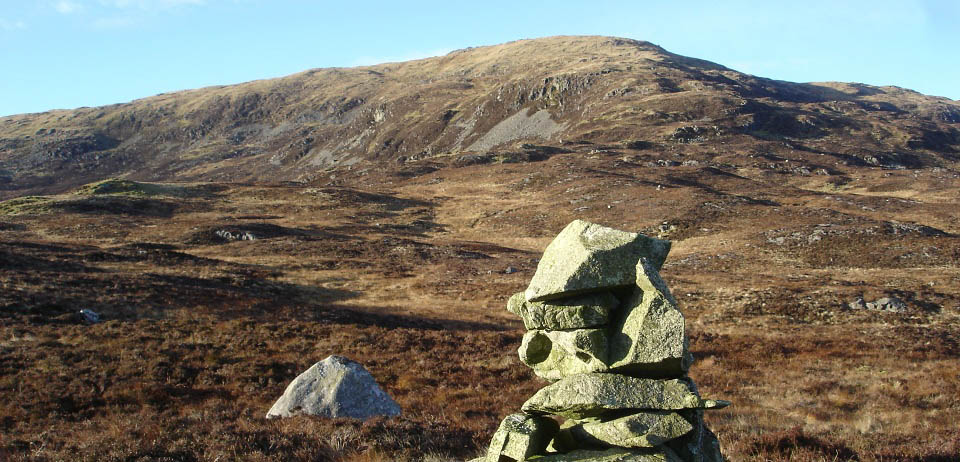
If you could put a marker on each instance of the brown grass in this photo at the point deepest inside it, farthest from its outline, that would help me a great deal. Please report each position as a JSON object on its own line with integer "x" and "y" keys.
{"x": 201, "y": 335}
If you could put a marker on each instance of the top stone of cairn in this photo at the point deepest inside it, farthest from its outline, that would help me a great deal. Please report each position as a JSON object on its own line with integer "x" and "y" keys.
{"x": 587, "y": 257}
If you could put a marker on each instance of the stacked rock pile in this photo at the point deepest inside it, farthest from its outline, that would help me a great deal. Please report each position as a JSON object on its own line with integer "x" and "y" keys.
{"x": 602, "y": 325}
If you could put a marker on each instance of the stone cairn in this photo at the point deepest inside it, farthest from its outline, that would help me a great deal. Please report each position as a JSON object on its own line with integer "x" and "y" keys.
{"x": 604, "y": 328}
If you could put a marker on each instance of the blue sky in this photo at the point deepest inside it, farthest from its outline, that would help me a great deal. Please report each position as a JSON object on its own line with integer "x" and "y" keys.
{"x": 71, "y": 53}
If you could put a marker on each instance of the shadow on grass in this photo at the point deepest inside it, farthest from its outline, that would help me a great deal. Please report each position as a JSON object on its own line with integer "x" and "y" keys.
{"x": 5, "y": 226}
{"x": 369, "y": 316}
{"x": 785, "y": 444}
{"x": 232, "y": 291}
{"x": 118, "y": 205}
{"x": 692, "y": 182}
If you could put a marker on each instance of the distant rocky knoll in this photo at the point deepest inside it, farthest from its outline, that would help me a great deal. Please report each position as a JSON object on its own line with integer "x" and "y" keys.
{"x": 513, "y": 102}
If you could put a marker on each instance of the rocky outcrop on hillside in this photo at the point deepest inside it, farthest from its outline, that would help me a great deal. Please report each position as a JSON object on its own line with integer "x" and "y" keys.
{"x": 589, "y": 93}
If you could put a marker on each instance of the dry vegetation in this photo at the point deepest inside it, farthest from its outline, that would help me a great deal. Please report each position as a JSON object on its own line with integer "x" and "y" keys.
{"x": 404, "y": 270}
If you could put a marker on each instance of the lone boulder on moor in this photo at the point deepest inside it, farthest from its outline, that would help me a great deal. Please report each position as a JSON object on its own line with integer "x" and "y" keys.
{"x": 335, "y": 387}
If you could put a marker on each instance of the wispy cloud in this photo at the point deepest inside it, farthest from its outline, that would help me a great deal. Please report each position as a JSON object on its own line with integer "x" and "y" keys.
{"x": 9, "y": 26}
{"x": 67, "y": 6}
{"x": 76, "y": 6}
{"x": 151, "y": 4}
{"x": 115, "y": 14}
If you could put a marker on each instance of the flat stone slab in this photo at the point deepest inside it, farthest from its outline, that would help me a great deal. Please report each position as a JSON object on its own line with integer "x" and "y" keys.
{"x": 596, "y": 394}
{"x": 556, "y": 354}
{"x": 647, "y": 335}
{"x": 587, "y": 257}
{"x": 564, "y": 314}
{"x": 645, "y": 429}
{"x": 521, "y": 436}
{"x": 661, "y": 454}
{"x": 335, "y": 387}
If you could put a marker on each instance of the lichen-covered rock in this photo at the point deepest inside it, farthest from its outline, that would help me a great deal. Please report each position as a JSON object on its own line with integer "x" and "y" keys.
{"x": 564, "y": 441}
{"x": 647, "y": 335}
{"x": 562, "y": 314}
{"x": 587, "y": 257}
{"x": 660, "y": 454}
{"x": 594, "y": 395}
{"x": 521, "y": 436}
{"x": 561, "y": 353}
{"x": 645, "y": 429}
{"x": 335, "y": 387}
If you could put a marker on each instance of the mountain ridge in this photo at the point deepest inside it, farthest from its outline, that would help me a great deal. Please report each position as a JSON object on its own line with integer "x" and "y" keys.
{"x": 554, "y": 91}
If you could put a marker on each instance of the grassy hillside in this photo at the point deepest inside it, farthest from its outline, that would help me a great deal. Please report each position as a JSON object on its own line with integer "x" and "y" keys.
{"x": 550, "y": 92}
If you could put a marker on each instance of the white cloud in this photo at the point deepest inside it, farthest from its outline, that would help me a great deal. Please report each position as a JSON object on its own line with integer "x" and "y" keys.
{"x": 151, "y": 4}
{"x": 12, "y": 25}
{"x": 75, "y": 6}
{"x": 67, "y": 6}
{"x": 113, "y": 14}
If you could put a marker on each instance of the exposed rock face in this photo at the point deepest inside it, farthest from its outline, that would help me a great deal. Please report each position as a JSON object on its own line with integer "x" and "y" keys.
{"x": 521, "y": 436}
{"x": 640, "y": 430}
{"x": 555, "y": 354}
{"x": 891, "y": 304}
{"x": 603, "y": 324}
{"x": 648, "y": 336}
{"x": 595, "y": 395}
{"x": 335, "y": 387}
{"x": 587, "y": 257}
{"x": 575, "y": 313}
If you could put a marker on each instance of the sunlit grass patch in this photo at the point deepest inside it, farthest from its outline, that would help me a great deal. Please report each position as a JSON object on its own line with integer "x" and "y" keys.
{"x": 26, "y": 205}
{"x": 119, "y": 186}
